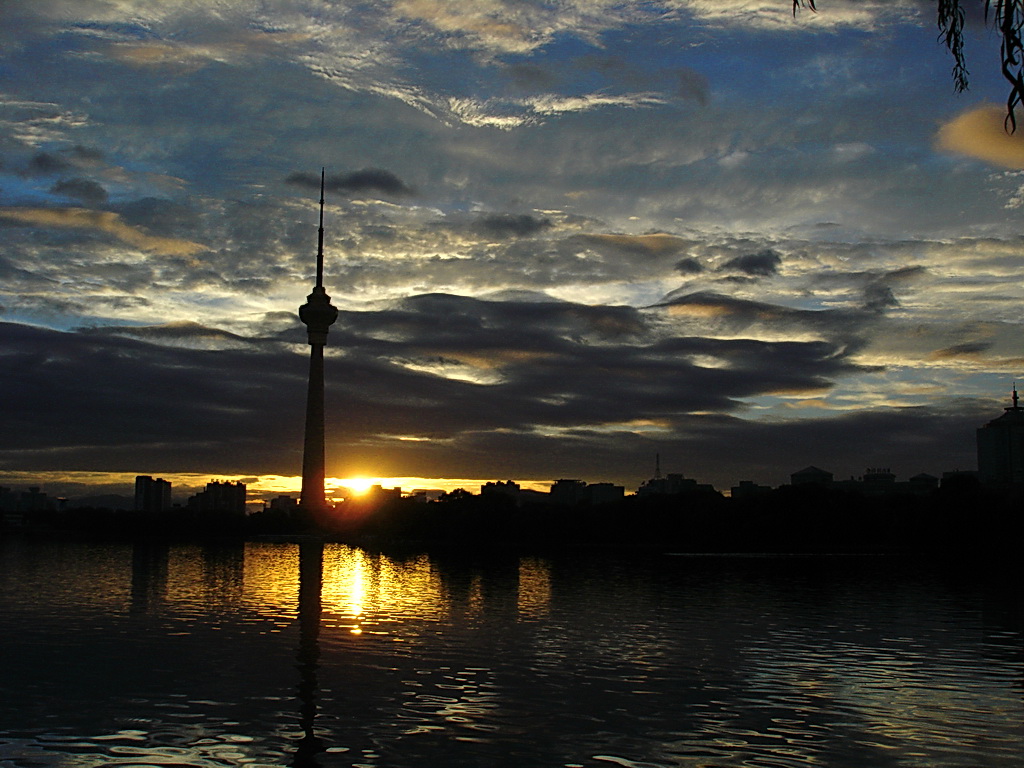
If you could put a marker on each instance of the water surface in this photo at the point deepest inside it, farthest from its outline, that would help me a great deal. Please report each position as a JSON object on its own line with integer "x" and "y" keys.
{"x": 276, "y": 654}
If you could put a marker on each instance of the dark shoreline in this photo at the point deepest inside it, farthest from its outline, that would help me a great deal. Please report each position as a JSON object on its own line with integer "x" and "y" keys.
{"x": 969, "y": 521}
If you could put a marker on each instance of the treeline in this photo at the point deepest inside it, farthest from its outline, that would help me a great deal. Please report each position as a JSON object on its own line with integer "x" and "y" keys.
{"x": 103, "y": 522}
{"x": 806, "y": 519}
{"x": 966, "y": 519}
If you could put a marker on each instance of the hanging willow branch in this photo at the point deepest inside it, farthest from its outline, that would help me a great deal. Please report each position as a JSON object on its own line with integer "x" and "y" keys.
{"x": 1006, "y": 16}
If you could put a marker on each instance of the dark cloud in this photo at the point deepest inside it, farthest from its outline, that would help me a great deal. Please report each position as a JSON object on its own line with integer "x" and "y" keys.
{"x": 86, "y": 153}
{"x": 531, "y": 77}
{"x": 689, "y": 266}
{"x": 86, "y": 190}
{"x": 160, "y": 216}
{"x": 879, "y": 297}
{"x": 710, "y": 312}
{"x": 505, "y": 225}
{"x": 527, "y": 388}
{"x": 905, "y": 274}
{"x": 762, "y": 264}
{"x": 16, "y": 277}
{"x": 879, "y": 294}
{"x": 967, "y": 349}
{"x": 189, "y": 334}
{"x": 97, "y": 401}
{"x": 46, "y": 163}
{"x": 692, "y": 85}
{"x": 365, "y": 180}
{"x": 877, "y": 290}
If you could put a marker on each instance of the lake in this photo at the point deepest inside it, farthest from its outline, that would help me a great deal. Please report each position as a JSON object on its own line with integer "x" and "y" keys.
{"x": 273, "y": 654}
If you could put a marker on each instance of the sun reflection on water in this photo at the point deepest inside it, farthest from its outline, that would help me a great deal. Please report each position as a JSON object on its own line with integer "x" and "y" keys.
{"x": 366, "y": 592}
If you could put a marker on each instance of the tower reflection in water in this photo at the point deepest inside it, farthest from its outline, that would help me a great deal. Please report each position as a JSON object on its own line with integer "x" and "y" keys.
{"x": 311, "y": 568}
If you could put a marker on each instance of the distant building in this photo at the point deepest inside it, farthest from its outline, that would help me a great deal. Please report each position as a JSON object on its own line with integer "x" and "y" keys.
{"x": 923, "y": 483}
{"x": 425, "y": 495}
{"x": 878, "y": 482}
{"x": 879, "y": 476}
{"x": 220, "y": 497}
{"x": 604, "y": 493}
{"x": 1001, "y": 447}
{"x": 881, "y": 481}
{"x": 748, "y": 489}
{"x": 507, "y": 488}
{"x": 378, "y": 494}
{"x": 671, "y": 484}
{"x": 284, "y": 503}
{"x": 576, "y": 492}
{"x": 34, "y": 500}
{"x": 567, "y": 492}
{"x": 10, "y": 511}
{"x": 152, "y": 495}
{"x": 18, "y": 507}
{"x": 811, "y": 476}
{"x": 959, "y": 478}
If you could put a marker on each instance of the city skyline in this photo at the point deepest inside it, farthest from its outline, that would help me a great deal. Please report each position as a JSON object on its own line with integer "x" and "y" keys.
{"x": 564, "y": 239}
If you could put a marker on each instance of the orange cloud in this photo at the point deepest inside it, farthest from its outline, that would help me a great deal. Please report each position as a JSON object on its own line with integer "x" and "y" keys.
{"x": 981, "y": 133}
{"x": 192, "y": 56}
{"x": 103, "y": 221}
{"x": 495, "y": 358}
{"x": 796, "y": 391}
{"x": 693, "y": 309}
{"x": 449, "y": 17}
{"x": 657, "y": 244}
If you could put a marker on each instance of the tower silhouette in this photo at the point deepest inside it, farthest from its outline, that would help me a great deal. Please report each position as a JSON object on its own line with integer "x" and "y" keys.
{"x": 317, "y": 314}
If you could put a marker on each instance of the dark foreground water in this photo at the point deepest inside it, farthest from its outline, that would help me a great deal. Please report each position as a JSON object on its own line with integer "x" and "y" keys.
{"x": 265, "y": 655}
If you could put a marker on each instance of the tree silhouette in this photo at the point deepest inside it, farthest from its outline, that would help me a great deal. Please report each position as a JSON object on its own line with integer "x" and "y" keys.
{"x": 1006, "y": 16}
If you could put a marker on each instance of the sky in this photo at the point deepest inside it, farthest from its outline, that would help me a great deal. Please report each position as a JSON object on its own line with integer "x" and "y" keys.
{"x": 564, "y": 238}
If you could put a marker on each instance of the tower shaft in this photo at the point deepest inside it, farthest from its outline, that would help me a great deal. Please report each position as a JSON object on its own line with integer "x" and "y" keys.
{"x": 313, "y": 460}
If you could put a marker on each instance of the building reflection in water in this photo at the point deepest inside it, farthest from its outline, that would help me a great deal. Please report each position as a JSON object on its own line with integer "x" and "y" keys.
{"x": 311, "y": 564}
{"x": 223, "y": 572}
{"x": 149, "y": 576}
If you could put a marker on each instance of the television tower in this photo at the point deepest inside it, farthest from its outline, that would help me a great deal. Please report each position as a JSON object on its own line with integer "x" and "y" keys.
{"x": 317, "y": 314}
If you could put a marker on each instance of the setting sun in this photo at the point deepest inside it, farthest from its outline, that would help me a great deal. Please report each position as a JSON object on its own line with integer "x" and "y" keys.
{"x": 358, "y": 485}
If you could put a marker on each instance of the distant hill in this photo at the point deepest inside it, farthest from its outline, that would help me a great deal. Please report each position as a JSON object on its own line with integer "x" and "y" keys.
{"x": 105, "y": 501}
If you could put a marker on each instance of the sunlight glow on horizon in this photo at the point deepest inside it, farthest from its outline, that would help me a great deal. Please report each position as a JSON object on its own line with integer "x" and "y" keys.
{"x": 258, "y": 487}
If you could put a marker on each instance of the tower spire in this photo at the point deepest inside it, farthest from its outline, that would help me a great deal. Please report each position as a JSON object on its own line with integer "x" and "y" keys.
{"x": 320, "y": 235}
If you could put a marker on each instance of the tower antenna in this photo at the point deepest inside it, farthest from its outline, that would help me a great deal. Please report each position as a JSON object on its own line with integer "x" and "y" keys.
{"x": 320, "y": 235}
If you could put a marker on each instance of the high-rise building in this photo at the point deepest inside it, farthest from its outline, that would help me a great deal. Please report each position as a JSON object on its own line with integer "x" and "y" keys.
{"x": 220, "y": 497}
{"x": 1001, "y": 447}
{"x": 317, "y": 314}
{"x": 152, "y": 494}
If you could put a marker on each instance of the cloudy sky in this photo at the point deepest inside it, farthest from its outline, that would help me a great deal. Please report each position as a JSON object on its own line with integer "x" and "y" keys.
{"x": 563, "y": 237}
